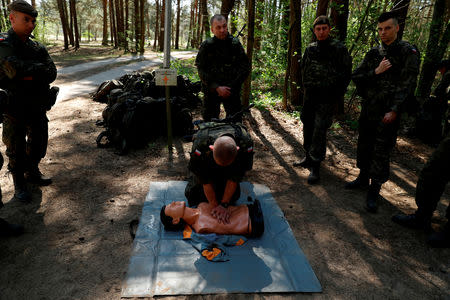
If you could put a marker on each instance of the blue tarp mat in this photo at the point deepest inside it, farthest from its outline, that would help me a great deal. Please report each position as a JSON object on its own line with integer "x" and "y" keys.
{"x": 163, "y": 264}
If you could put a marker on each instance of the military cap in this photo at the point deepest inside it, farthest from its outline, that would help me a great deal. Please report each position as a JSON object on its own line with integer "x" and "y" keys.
{"x": 23, "y": 7}
{"x": 321, "y": 20}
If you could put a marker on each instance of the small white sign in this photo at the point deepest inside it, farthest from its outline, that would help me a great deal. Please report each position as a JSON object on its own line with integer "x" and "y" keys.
{"x": 166, "y": 77}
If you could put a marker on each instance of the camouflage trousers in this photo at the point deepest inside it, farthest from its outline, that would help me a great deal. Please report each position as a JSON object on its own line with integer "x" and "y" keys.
{"x": 194, "y": 191}
{"x": 26, "y": 142}
{"x": 316, "y": 117}
{"x": 432, "y": 180}
{"x": 375, "y": 143}
{"x": 211, "y": 105}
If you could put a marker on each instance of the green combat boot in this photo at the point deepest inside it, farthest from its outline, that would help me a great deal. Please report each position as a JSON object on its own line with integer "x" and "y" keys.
{"x": 314, "y": 175}
{"x": 20, "y": 190}
{"x": 35, "y": 176}
{"x": 440, "y": 239}
{"x": 372, "y": 197}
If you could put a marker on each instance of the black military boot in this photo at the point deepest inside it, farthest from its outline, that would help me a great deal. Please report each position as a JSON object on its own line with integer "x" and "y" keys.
{"x": 372, "y": 197}
{"x": 314, "y": 175}
{"x": 362, "y": 181}
{"x": 413, "y": 221}
{"x": 20, "y": 190}
{"x": 304, "y": 163}
{"x": 35, "y": 176}
{"x": 7, "y": 229}
{"x": 440, "y": 239}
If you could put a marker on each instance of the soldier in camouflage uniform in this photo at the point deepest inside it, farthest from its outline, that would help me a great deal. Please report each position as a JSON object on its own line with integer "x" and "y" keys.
{"x": 432, "y": 181}
{"x": 26, "y": 70}
{"x": 326, "y": 67}
{"x": 384, "y": 79}
{"x": 221, "y": 154}
{"x": 222, "y": 66}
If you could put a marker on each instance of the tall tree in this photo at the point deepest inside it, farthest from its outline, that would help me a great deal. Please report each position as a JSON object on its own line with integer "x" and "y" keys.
{"x": 161, "y": 26}
{"x": 73, "y": 12}
{"x": 205, "y": 19}
{"x": 401, "y": 8}
{"x": 437, "y": 45}
{"x": 339, "y": 18}
{"x": 127, "y": 24}
{"x": 64, "y": 23}
{"x": 137, "y": 28}
{"x": 105, "y": 22}
{"x": 177, "y": 29}
{"x": 69, "y": 31}
{"x": 33, "y": 3}
{"x": 322, "y": 7}
{"x": 112, "y": 17}
{"x": 191, "y": 22}
{"x": 227, "y": 6}
{"x": 157, "y": 8}
{"x": 292, "y": 80}
{"x": 258, "y": 24}
{"x": 250, "y": 43}
{"x": 142, "y": 25}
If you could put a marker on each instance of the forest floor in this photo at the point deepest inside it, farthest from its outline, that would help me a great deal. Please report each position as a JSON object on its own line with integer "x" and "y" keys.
{"x": 77, "y": 243}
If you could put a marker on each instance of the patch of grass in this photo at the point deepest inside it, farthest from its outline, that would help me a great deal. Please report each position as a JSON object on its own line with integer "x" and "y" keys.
{"x": 186, "y": 67}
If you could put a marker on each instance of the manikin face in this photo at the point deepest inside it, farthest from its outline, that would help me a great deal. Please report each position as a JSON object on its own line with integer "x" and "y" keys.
{"x": 22, "y": 24}
{"x": 387, "y": 31}
{"x": 219, "y": 29}
{"x": 175, "y": 210}
{"x": 321, "y": 31}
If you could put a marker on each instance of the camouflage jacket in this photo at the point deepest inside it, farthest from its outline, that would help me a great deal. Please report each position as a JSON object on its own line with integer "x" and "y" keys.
{"x": 326, "y": 67}
{"x": 202, "y": 162}
{"x": 222, "y": 62}
{"x": 387, "y": 91}
{"x": 26, "y": 70}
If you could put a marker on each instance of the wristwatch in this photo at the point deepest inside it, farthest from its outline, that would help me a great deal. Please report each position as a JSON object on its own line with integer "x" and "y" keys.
{"x": 225, "y": 205}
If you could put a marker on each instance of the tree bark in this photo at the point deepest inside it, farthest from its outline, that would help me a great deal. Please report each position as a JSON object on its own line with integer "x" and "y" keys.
{"x": 161, "y": 26}
{"x": 64, "y": 23}
{"x": 119, "y": 23}
{"x": 191, "y": 22}
{"x": 177, "y": 30}
{"x": 112, "y": 17}
{"x": 436, "y": 47}
{"x": 339, "y": 18}
{"x": 156, "y": 24}
{"x": 105, "y": 23}
{"x": 73, "y": 10}
{"x": 66, "y": 20}
{"x": 258, "y": 25}
{"x": 137, "y": 33}
{"x": 292, "y": 81}
{"x": 322, "y": 8}
{"x": 127, "y": 27}
{"x": 33, "y": 3}
{"x": 250, "y": 43}
{"x": 401, "y": 9}
{"x": 205, "y": 19}
{"x": 199, "y": 25}
{"x": 142, "y": 25}
{"x": 227, "y": 6}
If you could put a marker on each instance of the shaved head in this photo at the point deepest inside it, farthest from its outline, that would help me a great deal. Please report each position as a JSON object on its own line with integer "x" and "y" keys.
{"x": 224, "y": 151}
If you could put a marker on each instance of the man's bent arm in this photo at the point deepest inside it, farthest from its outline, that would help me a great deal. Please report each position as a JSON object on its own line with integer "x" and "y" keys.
{"x": 230, "y": 188}
{"x": 210, "y": 194}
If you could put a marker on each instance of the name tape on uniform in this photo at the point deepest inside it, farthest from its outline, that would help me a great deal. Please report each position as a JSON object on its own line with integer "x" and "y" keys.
{"x": 166, "y": 77}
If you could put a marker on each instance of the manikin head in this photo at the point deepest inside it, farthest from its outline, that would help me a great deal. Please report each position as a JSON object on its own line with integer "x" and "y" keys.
{"x": 388, "y": 27}
{"x": 171, "y": 215}
{"x": 219, "y": 27}
{"x": 321, "y": 28}
{"x": 23, "y": 18}
{"x": 224, "y": 150}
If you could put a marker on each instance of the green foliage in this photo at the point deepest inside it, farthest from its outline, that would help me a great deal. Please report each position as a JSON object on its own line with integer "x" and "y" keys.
{"x": 265, "y": 100}
{"x": 186, "y": 67}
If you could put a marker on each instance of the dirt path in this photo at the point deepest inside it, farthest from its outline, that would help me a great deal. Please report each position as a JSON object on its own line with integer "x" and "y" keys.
{"x": 77, "y": 244}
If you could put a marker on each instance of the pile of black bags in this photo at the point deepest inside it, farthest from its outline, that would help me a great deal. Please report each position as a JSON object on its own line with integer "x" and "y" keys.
{"x": 136, "y": 110}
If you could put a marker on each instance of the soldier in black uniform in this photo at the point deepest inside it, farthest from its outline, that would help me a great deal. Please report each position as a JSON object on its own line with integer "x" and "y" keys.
{"x": 384, "y": 79}
{"x": 26, "y": 70}
{"x": 221, "y": 154}
{"x": 432, "y": 181}
{"x": 222, "y": 66}
{"x": 326, "y": 68}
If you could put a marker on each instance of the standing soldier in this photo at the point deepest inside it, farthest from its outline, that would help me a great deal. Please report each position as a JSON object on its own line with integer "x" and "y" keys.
{"x": 326, "y": 69}
{"x": 222, "y": 66}
{"x": 26, "y": 70}
{"x": 384, "y": 79}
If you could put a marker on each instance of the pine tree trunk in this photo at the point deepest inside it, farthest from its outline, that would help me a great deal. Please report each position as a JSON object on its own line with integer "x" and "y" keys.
{"x": 177, "y": 30}
{"x": 162, "y": 26}
{"x": 227, "y": 6}
{"x": 142, "y": 25}
{"x": 127, "y": 27}
{"x": 199, "y": 25}
{"x": 69, "y": 31}
{"x": 401, "y": 9}
{"x": 433, "y": 53}
{"x": 156, "y": 24}
{"x": 205, "y": 19}
{"x": 75, "y": 23}
{"x": 292, "y": 80}
{"x": 322, "y": 8}
{"x": 339, "y": 18}
{"x": 112, "y": 17}
{"x": 191, "y": 22}
{"x": 105, "y": 23}
{"x": 64, "y": 23}
{"x": 250, "y": 42}
{"x": 137, "y": 34}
